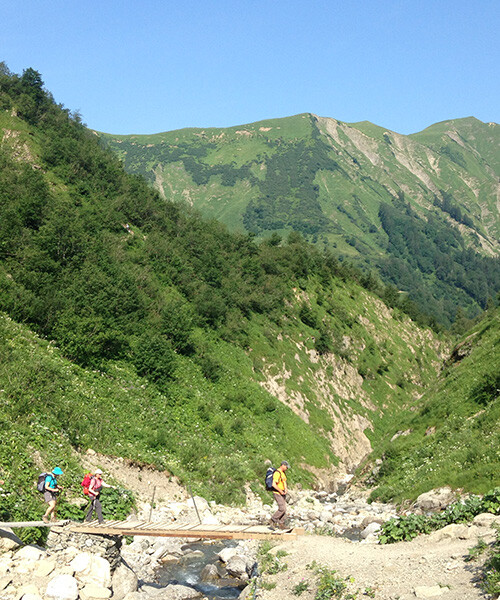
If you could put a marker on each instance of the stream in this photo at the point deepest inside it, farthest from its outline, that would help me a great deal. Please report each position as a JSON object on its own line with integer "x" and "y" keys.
{"x": 188, "y": 572}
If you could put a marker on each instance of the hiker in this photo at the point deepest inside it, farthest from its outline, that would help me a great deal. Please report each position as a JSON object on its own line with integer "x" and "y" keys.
{"x": 280, "y": 490}
{"x": 96, "y": 484}
{"x": 51, "y": 489}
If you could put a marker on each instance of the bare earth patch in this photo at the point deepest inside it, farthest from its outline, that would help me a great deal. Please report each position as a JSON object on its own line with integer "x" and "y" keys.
{"x": 142, "y": 480}
{"x": 394, "y": 571}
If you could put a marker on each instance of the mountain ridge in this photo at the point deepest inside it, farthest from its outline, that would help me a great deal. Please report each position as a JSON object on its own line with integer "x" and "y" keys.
{"x": 336, "y": 183}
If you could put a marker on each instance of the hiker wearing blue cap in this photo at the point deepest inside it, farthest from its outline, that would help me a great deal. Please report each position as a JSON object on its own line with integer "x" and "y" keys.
{"x": 52, "y": 488}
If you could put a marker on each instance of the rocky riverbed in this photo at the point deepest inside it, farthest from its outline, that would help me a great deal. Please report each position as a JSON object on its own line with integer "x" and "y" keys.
{"x": 86, "y": 567}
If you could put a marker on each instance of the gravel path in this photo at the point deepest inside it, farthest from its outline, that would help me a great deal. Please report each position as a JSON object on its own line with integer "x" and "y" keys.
{"x": 403, "y": 571}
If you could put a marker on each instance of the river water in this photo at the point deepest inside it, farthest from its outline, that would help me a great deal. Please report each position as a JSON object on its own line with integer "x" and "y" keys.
{"x": 188, "y": 572}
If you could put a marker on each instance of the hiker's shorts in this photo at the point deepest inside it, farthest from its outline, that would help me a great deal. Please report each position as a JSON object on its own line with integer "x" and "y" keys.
{"x": 49, "y": 496}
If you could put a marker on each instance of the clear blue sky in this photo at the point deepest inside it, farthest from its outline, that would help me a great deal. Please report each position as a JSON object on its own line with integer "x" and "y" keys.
{"x": 145, "y": 66}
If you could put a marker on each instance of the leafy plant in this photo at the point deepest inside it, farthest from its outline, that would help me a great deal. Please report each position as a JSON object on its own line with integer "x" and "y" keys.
{"x": 300, "y": 588}
{"x": 408, "y": 527}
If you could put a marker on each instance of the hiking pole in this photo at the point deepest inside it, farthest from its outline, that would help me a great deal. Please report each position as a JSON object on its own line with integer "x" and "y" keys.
{"x": 152, "y": 502}
{"x": 195, "y": 507}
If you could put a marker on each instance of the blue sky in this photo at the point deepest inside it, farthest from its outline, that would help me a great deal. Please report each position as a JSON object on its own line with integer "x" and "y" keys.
{"x": 151, "y": 65}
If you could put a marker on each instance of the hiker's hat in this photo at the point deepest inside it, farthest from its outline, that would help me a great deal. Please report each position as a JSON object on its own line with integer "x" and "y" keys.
{"x": 284, "y": 463}
{"x": 57, "y": 471}
{"x": 98, "y": 472}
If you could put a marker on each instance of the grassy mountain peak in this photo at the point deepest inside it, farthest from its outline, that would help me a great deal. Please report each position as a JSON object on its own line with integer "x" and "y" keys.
{"x": 419, "y": 210}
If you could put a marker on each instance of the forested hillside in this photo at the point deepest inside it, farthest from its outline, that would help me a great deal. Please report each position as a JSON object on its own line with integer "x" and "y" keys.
{"x": 420, "y": 210}
{"x": 132, "y": 326}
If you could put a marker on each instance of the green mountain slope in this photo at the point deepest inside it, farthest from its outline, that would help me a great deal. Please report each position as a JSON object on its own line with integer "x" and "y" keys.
{"x": 135, "y": 327}
{"x": 421, "y": 210}
{"x": 454, "y": 437}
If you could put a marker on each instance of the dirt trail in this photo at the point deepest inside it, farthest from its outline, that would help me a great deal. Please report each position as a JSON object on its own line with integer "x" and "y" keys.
{"x": 393, "y": 571}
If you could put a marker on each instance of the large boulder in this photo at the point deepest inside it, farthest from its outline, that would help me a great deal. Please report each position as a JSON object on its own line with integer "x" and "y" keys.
{"x": 62, "y": 587}
{"x": 30, "y": 553}
{"x": 435, "y": 499}
{"x": 237, "y": 567}
{"x": 455, "y": 531}
{"x": 90, "y": 568}
{"x": 227, "y": 553}
{"x": 123, "y": 582}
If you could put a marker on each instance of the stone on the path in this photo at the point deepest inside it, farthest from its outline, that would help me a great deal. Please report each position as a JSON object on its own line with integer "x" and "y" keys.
{"x": 62, "y": 587}
{"x": 453, "y": 531}
{"x": 433, "y": 591}
{"x": 124, "y": 581}
{"x": 93, "y": 591}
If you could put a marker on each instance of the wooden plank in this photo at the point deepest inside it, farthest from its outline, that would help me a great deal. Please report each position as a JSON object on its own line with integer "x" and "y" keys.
{"x": 14, "y": 524}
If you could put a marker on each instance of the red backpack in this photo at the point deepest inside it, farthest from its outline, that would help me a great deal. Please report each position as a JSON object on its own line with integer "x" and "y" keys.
{"x": 86, "y": 483}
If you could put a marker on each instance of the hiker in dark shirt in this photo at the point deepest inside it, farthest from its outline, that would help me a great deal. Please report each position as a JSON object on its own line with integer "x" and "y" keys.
{"x": 96, "y": 484}
{"x": 52, "y": 488}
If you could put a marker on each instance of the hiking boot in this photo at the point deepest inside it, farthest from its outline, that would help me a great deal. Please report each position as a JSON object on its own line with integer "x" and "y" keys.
{"x": 273, "y": 525}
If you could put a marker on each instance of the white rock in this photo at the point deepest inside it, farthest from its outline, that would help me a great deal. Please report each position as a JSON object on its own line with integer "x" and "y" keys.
{"x": 486, "y": 520}
{"x": 94, "y": 592}
{"x": 44, "y": 568}
{"x": 209, "y": 519}
{"x": 124, "y": 581}
{"x": 453, "y": 531}
{"x": 201, "y": 503}
{"x": 32, "y": 553}
{"x": 62, "y": 587}
{"x": 237, "y": 567}
{"x": 435, "y": 499}
{"x": 371, "y": 529}
{"x": 90, "y": 568}
{"x": 81, "y": 562}
{"x": 28, "y": 589}
{"x": 227, "y": 553}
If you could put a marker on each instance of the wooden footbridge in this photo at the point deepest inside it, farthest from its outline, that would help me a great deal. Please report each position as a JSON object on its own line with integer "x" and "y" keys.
{"x": 186, "y": 530}
{"x": 168, "y": 529}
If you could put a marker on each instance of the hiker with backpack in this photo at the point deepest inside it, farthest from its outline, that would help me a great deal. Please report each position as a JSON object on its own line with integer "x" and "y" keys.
{"x": 279, "y": 489}
{"x": 94, "y": 491}
{"x": 47, "y": 483}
